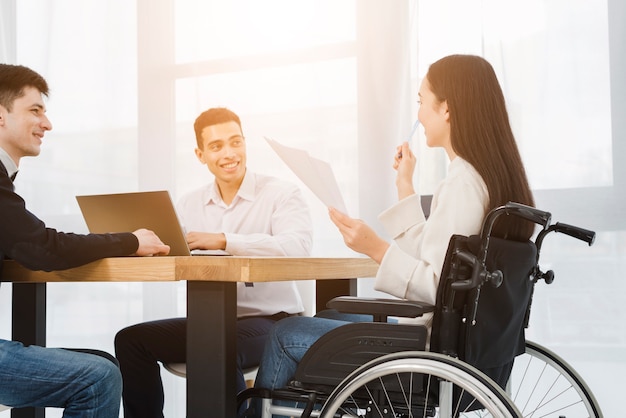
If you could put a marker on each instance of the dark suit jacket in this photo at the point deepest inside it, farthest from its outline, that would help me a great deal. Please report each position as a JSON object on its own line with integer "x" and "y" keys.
{"x": 26, "y": 239}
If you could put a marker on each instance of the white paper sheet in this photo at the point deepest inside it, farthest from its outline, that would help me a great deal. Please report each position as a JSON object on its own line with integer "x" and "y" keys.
{"x": 316, "y": 174}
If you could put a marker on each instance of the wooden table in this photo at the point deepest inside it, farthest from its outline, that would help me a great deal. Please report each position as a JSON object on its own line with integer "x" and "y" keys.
{"x": 211, "y": 308}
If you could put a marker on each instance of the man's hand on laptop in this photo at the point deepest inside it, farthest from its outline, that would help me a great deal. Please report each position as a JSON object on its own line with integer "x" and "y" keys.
{"x": 150, "y": 244}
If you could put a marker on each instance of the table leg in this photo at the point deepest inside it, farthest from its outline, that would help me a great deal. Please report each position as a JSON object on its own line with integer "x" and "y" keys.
{"x": 29, "y": 327}
{"x": 211, "y": 349}
{"x": 325, "y": 290}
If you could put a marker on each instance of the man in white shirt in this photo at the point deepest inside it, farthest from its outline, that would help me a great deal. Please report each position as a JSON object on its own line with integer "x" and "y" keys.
{"x": 240, "y": 213}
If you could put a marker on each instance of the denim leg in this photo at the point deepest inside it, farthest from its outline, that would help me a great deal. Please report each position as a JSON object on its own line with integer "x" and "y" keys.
{"x": 334, "y": 314}
{"x": 251, "y": 337}
{"x": 289, "y": 339}
{"x": 86, "y": 385}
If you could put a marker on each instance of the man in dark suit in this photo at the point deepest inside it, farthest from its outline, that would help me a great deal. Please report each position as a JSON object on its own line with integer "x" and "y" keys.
{"x": 85, "y": 384}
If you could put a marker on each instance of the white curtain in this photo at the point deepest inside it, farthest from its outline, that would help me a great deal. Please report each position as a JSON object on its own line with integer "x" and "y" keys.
{"x": 7, "y": 31}
{"x": 338, "y": 78}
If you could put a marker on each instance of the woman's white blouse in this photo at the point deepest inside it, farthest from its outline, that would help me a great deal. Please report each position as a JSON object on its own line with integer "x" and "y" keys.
{"x": 411, "y": 267}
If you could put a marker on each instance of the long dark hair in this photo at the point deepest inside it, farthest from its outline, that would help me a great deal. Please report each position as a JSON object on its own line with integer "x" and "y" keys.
{"x": 480, "y": 133}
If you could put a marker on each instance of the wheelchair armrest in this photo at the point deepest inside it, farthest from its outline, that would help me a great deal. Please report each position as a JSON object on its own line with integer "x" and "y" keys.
{"x": 379, "y": 308}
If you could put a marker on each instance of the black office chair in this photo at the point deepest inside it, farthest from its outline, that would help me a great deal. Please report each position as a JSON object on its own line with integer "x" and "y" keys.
{"x": 476, "y": 348}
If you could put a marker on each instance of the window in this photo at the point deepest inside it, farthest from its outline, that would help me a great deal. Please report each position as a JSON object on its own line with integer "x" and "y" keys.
{"x": 338, "y": 78}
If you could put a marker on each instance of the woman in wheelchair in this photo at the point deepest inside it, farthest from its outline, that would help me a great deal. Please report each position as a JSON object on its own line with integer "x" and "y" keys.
{"x": 463, "y": 111}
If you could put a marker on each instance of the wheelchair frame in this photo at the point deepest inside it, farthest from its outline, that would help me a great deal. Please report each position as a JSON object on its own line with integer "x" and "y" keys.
{"x": 458, "y": 387}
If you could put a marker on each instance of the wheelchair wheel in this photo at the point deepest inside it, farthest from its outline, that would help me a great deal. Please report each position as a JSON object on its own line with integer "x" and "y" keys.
{"x": 417, "y": 384}
{"x": 542, "y": 384}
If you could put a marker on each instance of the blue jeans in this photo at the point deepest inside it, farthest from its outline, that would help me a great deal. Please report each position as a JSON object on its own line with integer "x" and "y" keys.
{"x": 86, "y": 385}
{"x": 290, "y": 339}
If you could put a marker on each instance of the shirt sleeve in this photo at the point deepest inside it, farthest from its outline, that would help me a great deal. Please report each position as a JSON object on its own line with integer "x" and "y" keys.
{"x": 26, "y": 239}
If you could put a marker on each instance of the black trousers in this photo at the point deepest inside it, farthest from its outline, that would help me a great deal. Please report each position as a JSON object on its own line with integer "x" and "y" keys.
{"x": 139, "y": 349}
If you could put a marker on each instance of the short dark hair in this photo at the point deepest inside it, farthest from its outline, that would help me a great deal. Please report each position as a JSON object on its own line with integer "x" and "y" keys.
{"x": 14, "y": 79}
{"x": 213, "y": 116}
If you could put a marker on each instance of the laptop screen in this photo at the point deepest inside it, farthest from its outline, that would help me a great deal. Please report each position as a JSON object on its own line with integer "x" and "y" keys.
{"x": 127, "y": 212}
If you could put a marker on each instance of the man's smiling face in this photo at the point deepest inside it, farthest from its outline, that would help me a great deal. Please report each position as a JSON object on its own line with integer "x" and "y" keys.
{"x": 22, "y": 129}
{"x": 224, "y": 152}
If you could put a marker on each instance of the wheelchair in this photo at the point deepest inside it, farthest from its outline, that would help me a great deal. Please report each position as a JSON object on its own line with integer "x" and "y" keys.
{"x": 478, "y": 362}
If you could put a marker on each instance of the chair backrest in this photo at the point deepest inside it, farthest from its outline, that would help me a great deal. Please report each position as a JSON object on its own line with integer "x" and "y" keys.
{"x": 484, "y": 326}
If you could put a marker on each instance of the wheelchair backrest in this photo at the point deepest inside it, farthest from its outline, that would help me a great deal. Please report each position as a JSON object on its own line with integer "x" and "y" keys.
{"x": 484, "y": 326}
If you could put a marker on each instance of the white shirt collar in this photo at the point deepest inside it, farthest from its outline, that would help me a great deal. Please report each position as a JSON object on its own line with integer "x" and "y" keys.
{"x": 246, "y": 190}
